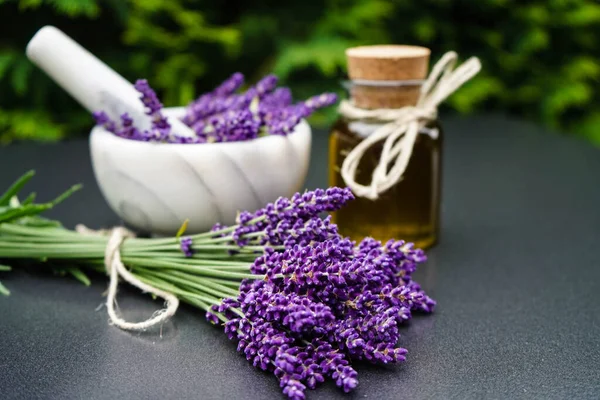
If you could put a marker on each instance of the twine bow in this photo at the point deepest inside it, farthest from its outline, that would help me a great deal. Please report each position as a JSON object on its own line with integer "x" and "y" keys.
{"x": 404, "y": 124}
{"x": 115, "y": 270}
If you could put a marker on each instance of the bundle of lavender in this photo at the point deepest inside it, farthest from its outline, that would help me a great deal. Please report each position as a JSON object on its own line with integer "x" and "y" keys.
{"x": 223, "y": 115}
{"x": 301, "y": 301}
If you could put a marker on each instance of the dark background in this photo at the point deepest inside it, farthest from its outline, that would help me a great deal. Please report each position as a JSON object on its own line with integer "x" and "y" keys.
{"x": 516, "y": 275}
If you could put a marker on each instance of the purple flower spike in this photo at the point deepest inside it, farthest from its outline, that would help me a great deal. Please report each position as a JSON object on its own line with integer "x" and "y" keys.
{"x": 153, "y": 107}
{"x": 223, "y": 114}
{"x": 321, "y": 300}
{"x": 234, "y": 126}
{"x": 229, "y": 87}
{"x": 186, "y": 246}
{"x": 283, "y": 122}
{"x": 128, "y": 131}
{"x": 281, "y": 97}
{"x": 321, "y": 101}
{"x": 212, "y": 318}
{"x": 266, "y": 85}
{"x": 104, "y": 120}
{"x": 149, "y": 97}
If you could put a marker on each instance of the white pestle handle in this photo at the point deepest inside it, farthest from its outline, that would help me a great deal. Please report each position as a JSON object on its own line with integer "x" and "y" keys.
{"x": 95, "y": 85}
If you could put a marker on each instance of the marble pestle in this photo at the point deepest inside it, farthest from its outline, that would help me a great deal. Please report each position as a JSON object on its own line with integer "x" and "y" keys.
{"x": 91, "y": 82}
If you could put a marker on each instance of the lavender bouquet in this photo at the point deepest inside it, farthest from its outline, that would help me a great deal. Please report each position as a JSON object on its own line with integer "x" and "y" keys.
{"x": 223, "y": 115}
{"x": 300, "y": 300}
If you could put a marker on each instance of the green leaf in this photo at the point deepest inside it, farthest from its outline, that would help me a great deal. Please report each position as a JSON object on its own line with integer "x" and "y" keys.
{"x": 176, "y": 75}
{"x": 535, "y": 39}
{"x": 584, "y": 15}
{"x": 28, "y": 124}
{"x": 16, "y": 187}
{"x": 590, "y": 127}
{"x": 74, "y": 8}
{"x": 182, "y": 229}
{"x": 564, "y": 96}
{"x": 326, "y": 54}
{"x": 20, "y": 76}
{"x": 39, "y": 222}
{"x": 33, "y": 4}
{"x": 6, "y": 59}
{"x": 5, "y": 268}
{"x": 425, "y": 29}
{"x": 79, "y": 275}
{"x": 3, "y": 290}
{"x": 29, "y": 199}
{"x": 582, "y": 68}
{"x": 474, "y": 92}
{"x": 537, "y": 14}
{"x": 23, "y": 211}
{"x": 65, "y": 195}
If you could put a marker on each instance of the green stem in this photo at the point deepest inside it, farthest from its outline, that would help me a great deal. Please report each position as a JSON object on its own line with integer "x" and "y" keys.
{"x": 235, "y": 284}
{"x": 197, "y": 247}
{"x": 196, "y": 261}
{"x": 178, "y": 279}
{"x": 16, "y": 253}
{"x": 195, "y": 269}
{"x": 41, "y": 231}
{"x": 180, "y": 255}
{"x": 194, "y": 237}
{"x": 92, "y": 247}
{"x": 48, "y": 239}
{"x": 160, "y": 284}
{"x": 156, "y": 262}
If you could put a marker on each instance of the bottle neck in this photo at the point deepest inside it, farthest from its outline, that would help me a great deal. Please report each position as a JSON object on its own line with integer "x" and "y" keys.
{"x": 373, "y": 95}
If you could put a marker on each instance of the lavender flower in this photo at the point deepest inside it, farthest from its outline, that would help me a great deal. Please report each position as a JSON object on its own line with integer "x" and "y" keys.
{"x": 223, "y": 115}
{"x": 200, "y": 108}
{"x": 234, "y": 126}
{"x": 281, "y": 97}
{"x": 320, "y": 101}
{"x": 211, "y": 105}
{"x": 212, "y": 318}
{"x": 153, "y": 107}
{"x": 208, "y": 103}
{"x": 129, "y": 131}
{"x": 286, "y": 218}
{"x": 266, "y": 85}
{"x": 321, "y": 300}
{"x": 283, "y": 120}
{"x": 186, "y": 246}
{"x": 229, "y": 86}
{"x": 104, "y": 120}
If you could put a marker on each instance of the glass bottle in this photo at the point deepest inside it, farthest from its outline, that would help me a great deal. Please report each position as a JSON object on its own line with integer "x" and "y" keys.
{"x": 410, "y": 209}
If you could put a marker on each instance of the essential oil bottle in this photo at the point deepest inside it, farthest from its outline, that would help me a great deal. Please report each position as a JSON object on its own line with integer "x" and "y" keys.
{"x": 388, "y": 77}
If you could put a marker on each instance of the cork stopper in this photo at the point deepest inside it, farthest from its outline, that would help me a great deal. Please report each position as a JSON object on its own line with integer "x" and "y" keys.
{"x": 386, "y": 63}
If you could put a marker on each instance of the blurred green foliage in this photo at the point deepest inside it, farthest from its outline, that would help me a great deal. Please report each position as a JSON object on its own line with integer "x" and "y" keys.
{"x": 541, "y": 58}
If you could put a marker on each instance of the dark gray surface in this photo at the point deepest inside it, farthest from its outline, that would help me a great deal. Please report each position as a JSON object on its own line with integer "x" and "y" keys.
{"x": 516, "y": 276}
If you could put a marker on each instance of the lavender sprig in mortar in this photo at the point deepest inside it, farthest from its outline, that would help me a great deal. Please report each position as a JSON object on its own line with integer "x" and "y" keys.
{"x": 222, "y": 115}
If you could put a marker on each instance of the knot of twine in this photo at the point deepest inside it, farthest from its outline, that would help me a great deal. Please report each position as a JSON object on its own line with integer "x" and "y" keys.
{"x": 115, "y": 270}
{"x": 403, "y": 127}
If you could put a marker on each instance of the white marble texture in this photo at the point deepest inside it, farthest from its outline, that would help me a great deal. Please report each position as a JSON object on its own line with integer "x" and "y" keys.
{"x": 155, "y": 187}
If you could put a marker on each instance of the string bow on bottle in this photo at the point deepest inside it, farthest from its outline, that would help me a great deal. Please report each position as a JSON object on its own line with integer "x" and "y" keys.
{"x": 400, "y": 133}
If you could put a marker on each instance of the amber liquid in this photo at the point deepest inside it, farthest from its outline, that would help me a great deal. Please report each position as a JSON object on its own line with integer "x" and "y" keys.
{"x": 410, "y": 209}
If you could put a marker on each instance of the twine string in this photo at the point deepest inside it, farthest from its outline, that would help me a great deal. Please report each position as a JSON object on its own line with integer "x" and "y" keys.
{"x": 115, "y": 269}
{"x": 403, "y": 126}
